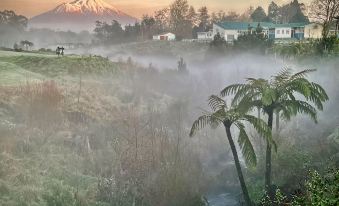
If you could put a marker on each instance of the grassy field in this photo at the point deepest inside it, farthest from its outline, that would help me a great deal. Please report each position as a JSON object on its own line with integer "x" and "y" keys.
{"x": 20, "y": 66}
{"x": 12, "y": 74}
{"x": 56, "y": 137}
{"x": 39, "y": 169}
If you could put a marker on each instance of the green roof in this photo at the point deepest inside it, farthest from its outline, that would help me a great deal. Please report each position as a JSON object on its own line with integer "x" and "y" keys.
{"x": 301, "y": 24}
{"x": 265, "y": 25}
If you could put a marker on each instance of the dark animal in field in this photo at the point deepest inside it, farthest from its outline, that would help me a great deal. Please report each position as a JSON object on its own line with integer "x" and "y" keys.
{"x": 60, "y": 51}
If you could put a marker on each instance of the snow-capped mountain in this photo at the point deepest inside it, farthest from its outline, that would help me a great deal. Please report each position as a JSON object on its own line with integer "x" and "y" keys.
{"x": 80, "y": 15}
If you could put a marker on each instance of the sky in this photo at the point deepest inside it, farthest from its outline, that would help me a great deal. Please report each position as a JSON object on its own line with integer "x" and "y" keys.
{"x": 137, "y": 8}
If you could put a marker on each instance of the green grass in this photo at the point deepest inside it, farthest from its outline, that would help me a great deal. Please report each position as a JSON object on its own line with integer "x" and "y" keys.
{"x": 53, "y": 66}
{"x": 11, "y": 74}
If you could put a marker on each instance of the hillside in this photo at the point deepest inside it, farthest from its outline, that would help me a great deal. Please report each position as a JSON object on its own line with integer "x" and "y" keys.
{"x": 55, "y": 114}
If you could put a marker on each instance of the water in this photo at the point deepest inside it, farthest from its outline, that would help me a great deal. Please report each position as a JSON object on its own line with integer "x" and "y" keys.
{"x": 224, "y": 199}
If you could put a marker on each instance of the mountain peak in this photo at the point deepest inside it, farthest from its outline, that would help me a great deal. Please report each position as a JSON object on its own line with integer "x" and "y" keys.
{"x": 80, "y": 15}
{"x": 85, "y": 6}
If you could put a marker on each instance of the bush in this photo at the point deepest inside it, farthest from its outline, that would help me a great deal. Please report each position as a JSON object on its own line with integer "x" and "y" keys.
{"x": 58, "y": 194}
{"x": 321, "y": 190}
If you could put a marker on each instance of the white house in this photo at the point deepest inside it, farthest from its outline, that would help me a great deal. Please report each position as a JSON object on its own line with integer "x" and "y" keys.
{"x": 232, "y": 30}
{"x": 164, "y": 37}
{"x": 205, "y": 35}
{"x": 283, "y": 32}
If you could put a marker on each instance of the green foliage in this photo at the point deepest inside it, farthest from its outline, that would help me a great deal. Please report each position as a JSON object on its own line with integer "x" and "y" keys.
{"x": 58, "y": 194}
{"x": 234, "y": 115}
{"x": 52, "y": 66}
{"x": 10, "y": 18}
{"x": 323, "y": 190}
{"x": 253, "y": 40}
{"x": 278, "y": 93}
{"x": 259, "y": 15}
{"x": 327, "y": 45}
{"x": 311, "y": 48}
{"x": 279, "y": 199}
{"x": 114, "y": 33}
{"x": 218, "y": 44}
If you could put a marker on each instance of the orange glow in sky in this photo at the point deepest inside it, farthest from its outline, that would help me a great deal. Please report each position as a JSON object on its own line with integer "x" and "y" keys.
{"x": 137, "y": 8}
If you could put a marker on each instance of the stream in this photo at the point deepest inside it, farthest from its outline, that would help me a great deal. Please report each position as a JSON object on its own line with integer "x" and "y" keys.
{"x": 224, "y": 199}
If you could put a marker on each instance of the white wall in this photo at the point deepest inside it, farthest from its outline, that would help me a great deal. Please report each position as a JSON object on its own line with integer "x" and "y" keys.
{"x": 205, "y": 35}
{"x": 283, "y": 32}
{"x": 170, "y": 37}
{"x": 218, "y": 29}
{"x": 224, "y": 32}
{"x": 156, "y": 37}
{"x": 229, "y": 33}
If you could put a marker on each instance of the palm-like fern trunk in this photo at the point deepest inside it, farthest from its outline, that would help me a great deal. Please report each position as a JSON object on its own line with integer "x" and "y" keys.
{"x": 238, "y": 167}
{"x": 268, "y": 172}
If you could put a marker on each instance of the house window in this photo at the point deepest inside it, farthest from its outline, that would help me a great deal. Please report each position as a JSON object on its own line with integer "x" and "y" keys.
{"x": 287, "y": 31}
{"x": 230, "y": 37}
{"x": 282, "y": 31}
{"x": 278, "y": 31}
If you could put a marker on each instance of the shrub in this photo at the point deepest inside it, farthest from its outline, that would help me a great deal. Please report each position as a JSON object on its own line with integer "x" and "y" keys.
{"x": 322, "y": 190}
{"x": 58, "y": 194}
{"x": 41, "y": 103}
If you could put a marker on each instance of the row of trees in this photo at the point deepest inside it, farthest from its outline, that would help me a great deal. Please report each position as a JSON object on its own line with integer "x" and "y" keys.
{"x": 9, "y": 18}
{"x": 13, "y": 29}
{"x": 276, "y": 97}
{"x": 26, "y": 45}
{"x": 185, "y": 21}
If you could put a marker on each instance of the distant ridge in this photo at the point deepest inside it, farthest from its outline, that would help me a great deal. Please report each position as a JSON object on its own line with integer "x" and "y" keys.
{"x": 80, "y": 15}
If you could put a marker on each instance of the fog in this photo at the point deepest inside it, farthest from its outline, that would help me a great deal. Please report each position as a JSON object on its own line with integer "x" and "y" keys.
{"x": 142, "y": 117}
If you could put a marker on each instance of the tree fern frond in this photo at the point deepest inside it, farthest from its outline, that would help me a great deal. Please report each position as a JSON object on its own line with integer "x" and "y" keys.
{"x": 302, "y": 74}
{"x": 261, "y": 127}
{"x": 231, "y": 89}
{"x": 257, "y": 83}
{"x": 216, "y": 103}
{"x": 200, "y": 123}
{"x": 301, "y": 86}
{"x": 246, "y": 146}
{"x": 283, "y": 75}
{"x": 298, "y": 106}
{"x": 321, "y": 91}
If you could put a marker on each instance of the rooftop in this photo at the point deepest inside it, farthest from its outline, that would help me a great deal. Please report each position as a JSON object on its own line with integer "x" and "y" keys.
{"x": 265, "y": 25}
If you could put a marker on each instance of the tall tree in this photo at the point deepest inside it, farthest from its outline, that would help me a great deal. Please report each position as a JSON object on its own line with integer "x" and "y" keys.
{"x": 204, "y": 18}
{"x": 246, "y": 16}
{"x": 10, "y": 18}
{"x": 259, "y": 14}
{"x": 231, "y": 16}
{"x": 277, "y": 96}
{"x": 324, "y": 12}
{"x": 147, "y": 26}
{"x": 179, "y": 18}
{"x": 292, "y": 12}
{"x": 26, "y": 44}
{"x": 193, "y": 16}
{"x": 162, "y": 19}
{"x": 296, "y": 12}
{"x": 273, "y": 12}
{"x": 228, "y": 117}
